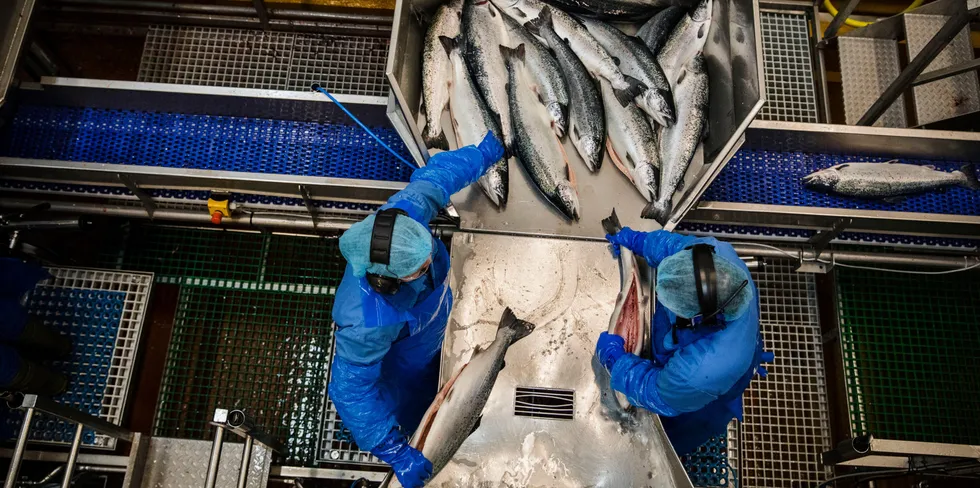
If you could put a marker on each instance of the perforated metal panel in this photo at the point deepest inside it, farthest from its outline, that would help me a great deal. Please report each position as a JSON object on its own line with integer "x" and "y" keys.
{"x": 786, "y": 424}
{"x": 103, "y": 312}
{"x": 774, "y": 178}
{"x": 790, "y": 88}
{"x": 788, "y": 234}
{"x": 352, "y": 65}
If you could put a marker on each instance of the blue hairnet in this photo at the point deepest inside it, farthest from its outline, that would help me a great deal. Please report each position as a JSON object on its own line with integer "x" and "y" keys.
{"x": 411, "y": 246}
{"x": 677, "y": 290}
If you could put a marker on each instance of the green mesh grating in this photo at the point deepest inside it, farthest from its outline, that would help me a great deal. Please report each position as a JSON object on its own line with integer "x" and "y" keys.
{"x": 910, "y": 347}
{"x": 251, "y": 330}
{"x": 181, "y": 255}
{"x": 264, "y": 352}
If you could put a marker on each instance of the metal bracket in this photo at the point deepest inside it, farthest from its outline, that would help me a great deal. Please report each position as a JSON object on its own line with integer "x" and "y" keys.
{"x": 821, "y": 239}
{"x": 305, "y": 193}
{"x": 262, "y": 12}
{"x": 144, "y": 197}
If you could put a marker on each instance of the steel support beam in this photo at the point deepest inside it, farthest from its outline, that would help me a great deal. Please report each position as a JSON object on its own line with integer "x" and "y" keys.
{"x": 940, "y": 74}
{"x": 51, "y": 407}
{"x": 839, "y": 19}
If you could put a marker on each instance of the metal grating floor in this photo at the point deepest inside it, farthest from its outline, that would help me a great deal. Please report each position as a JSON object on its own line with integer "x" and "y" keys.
{"x": 103, "y": 312}
{"x": 774, "y": 178}
{"x": 261, "y": 351}
{"x": 790, "y": 88}
{"x": 350, "y": 65}
{"x": 336, "y": 441}
{"x": 910, "y": 352}
{"x": 169, "y": 140}
{"x": 786, "y": 423}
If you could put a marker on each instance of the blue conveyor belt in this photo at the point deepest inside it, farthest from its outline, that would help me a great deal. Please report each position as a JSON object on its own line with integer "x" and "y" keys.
{"x": 773, "y": 178}
{"x": 202, "y": 142}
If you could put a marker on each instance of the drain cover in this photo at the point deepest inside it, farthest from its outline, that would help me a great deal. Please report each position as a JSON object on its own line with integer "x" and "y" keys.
{"x": 544, "y": 403}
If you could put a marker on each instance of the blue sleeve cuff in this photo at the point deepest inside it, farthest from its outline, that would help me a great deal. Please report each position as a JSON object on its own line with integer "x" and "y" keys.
{"x": 637, "y": 379}
{"x": 421, "y": 200}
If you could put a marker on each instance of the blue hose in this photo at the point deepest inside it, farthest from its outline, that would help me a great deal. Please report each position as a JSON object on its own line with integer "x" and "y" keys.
{"x": 317, "y": 87}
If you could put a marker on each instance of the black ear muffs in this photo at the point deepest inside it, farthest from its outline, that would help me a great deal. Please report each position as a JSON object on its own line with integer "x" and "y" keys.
{"x": 380, "y": 253}
{"x": 706, "y": 282}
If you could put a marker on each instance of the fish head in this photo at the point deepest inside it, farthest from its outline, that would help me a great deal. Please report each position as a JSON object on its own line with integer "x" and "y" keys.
{"x": 594, "y": 149}
{"x": 661, "y": 106}
{"x": 825, "y": 179}
{"x": 565, "y": 198}
{"x": 702, "y": 12}
{"x": 645, "y": 179}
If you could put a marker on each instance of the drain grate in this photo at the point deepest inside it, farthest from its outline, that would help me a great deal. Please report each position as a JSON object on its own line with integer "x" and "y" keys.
{"x": 790, "y": 89}
{"x": 544, "y": 403}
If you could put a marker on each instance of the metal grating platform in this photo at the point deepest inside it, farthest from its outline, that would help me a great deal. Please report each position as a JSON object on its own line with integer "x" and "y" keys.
{"x": 103, "y": 312}
{"x": 350, "y": 65}
{"x": 950, "y": 97}
{"x": 910, "y": 347}
{"x": 790, "y": 88}
{"x": 774, "y": 178}
{"x": 336, "y": 441}
{"x": 203, "y": 142}
{"x": 868, "y": 66}
{"x": 786, "y": 423}
{"x": 262, "y": 351}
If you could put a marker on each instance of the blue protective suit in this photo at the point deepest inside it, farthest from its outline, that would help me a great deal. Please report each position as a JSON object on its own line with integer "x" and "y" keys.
{"x": 695, "y": 383}
{"x": 385, "y": 371}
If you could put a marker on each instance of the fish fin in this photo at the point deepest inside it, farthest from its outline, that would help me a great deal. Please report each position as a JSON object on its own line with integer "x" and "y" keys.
{"x": 970, "y": 170}
{"x": 929, "y": 166}
{"x": 436, "y": 141}
{"x": 627, "y": 95}
{"x": 512, "y": 53}
{"x": 510, "y": 321}
{"x": 479, "y": 420}
{"x": 576, "y": 133}
{"x": 658, "y": 210}
{"x": 616, "y": 160}
{"x": 611, "y": 223}
{"x": 543, "y": 20}
{"x": 839, "y": 167}
{"x": 448, "y": 43}
{"x": 705, "y": 131}
{"x": 894, "y": 161}
{"x": 894, "y": 200}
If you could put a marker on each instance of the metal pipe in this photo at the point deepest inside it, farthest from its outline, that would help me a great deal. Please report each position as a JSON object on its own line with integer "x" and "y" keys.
{"x": 49, "y": 406}
{"x": 940, "y": 74}
{"x": 101, "y": 469}
{"x": 241, "y": 219}
{"x": 839, "y": 19}
{"x": 274, "y": 13}
{"x": 948, "y": 262}
{"x": 51, "y": 224}
{"x": 18, "y": 456}
{"x": 246, "y": 462}
{"x": 212, "y": 478}
{"x": 76, "y": 444}
{"x": 238, "y": 22}
{"x": 928, "y": 53}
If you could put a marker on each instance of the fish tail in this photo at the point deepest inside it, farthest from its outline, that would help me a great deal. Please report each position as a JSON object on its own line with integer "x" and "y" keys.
{"x": 626, "y": 95}
{"x": 435, "y": 140}
{"x": 970, "y": 171}
{"x": 611, "y": 223}
{"x": 510, "y": 321}
{"x": 542, "y": 21}
{"x": 658, "y": 210}
{"x": 511, "y": 54}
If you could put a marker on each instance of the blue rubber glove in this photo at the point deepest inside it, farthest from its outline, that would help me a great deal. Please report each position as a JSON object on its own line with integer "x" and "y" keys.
{"x": 410, "y": 466}
{"x": 629, "y": 238}
{"x": 451, "y": 171}
{"x": 491, "y": 148}
{"x": 609, "y": 348}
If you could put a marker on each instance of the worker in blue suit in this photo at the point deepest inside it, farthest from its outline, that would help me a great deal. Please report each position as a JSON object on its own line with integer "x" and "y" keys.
{"x": 705, "y": 333}
{"x": 391, "y": 311}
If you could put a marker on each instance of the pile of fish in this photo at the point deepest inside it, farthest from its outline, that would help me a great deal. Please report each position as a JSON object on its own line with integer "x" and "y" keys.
{"x": 536, "y": 75}
{"x": 456, "y": 411}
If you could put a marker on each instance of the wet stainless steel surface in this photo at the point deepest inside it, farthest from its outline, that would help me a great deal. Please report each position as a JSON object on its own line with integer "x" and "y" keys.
{"x": 568, "y": 289}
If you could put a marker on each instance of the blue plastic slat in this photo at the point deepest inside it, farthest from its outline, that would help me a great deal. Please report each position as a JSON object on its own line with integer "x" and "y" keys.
{"x": 91, "y": 318}
{"x": 708, "y": 465}
{"x": 203, "y": 142}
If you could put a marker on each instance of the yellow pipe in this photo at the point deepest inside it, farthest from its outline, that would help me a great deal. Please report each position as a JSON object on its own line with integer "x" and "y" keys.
{"x": 860, "y": 23}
